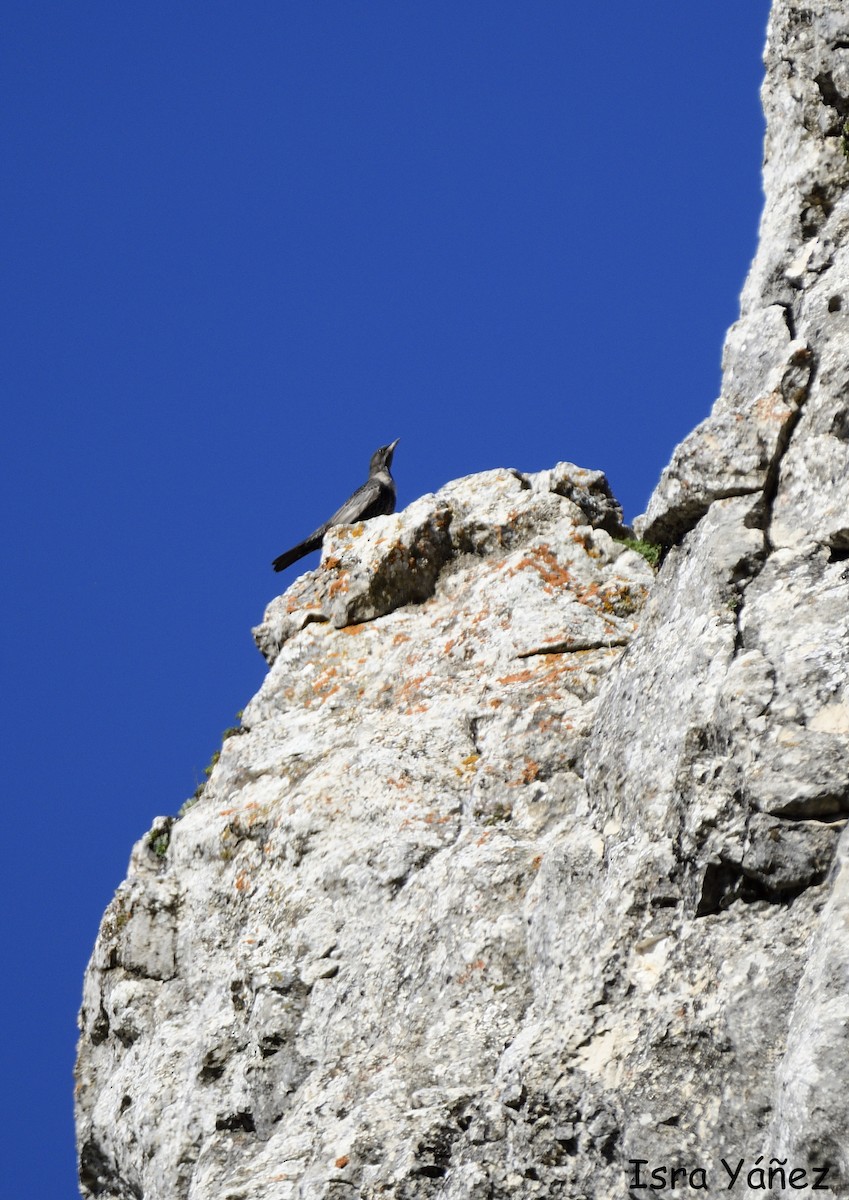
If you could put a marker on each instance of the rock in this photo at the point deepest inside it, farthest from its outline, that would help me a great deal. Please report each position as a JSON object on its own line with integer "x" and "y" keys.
{"x": 766, "y": 373}
{"x": 372, "y": 569}
{"x": 368, "y": 846}
{"x": 812, "y": 1107}
{"x": 530, "y": 864}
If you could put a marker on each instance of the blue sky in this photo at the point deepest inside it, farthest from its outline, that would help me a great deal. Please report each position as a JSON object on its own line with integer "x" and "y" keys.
{"x": 243, "y": 243}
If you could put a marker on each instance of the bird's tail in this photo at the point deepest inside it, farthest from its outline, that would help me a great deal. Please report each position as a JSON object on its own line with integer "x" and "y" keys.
{"x": 300, "y": 551}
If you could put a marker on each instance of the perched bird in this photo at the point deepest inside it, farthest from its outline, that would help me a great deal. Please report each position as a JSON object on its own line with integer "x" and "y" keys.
{"x": 376, "y": 498}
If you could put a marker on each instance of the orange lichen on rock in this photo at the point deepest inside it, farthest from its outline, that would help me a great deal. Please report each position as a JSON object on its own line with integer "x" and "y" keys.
{"x": 468, "y": 765}
{"x": 410, "y": 693}
{"x": 339, "y": 584}
{"x": 772, "y": 407}
{"x": 530, "y": 772}
{"x": 543, "y": 560}
{"x": 519, "y": 677}
{"x": 429, "y": 818}
{"x": 478, "y": 965}
{"x": 326, "y": 684}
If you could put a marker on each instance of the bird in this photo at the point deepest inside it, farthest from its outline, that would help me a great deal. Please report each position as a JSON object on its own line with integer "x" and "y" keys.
{"x": 375, "y": 498}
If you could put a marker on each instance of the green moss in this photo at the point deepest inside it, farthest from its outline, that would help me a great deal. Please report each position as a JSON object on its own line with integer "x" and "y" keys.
{"x": 159, "y": 837}
{"x": 649, "y": 551}
{"x": 210, "y": 766}
{"x": 844, "y": 137}
{"x": 159, "y": 842}
{"x": 192, "y": 800}
{"x": 122, "y": 913}
{"x": 231, "y": 731}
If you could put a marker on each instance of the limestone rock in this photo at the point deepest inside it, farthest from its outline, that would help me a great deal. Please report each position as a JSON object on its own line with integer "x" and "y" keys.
{"x": 528, "y": 864}
{"x": 362, "y": 858}
{"x": 766, "y": 376}
{"x": 812, "y": 1110}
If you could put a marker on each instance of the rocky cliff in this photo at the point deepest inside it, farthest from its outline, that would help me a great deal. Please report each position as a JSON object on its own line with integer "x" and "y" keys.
{"x": 524, "y": 875}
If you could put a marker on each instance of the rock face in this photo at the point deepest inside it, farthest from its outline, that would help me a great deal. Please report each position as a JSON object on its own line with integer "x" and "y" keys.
{"x": 525, "y": 875}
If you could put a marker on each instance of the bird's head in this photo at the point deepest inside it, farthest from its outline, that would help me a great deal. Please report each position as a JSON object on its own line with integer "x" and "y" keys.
{"x": 382, "y": 457}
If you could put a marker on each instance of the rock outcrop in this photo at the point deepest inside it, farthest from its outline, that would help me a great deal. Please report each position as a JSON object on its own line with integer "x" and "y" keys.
{"x": 524, "y": 876}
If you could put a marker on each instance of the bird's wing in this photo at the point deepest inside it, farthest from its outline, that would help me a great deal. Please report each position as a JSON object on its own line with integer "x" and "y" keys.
{"x": 367, "y": 501}
{"x": 373, "y": 499}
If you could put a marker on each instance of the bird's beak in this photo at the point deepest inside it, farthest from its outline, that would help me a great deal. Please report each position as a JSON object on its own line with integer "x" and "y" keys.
{"x": 392, "y": 445}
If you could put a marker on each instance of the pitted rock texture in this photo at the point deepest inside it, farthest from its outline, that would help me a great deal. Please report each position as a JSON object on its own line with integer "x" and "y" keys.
{"x": 529, "y": 864}
{"x": 766, "y": 373}
{"x": 746, "y": 780}
{"x": 375, "y": 567}
{"x": 340, "y": 927}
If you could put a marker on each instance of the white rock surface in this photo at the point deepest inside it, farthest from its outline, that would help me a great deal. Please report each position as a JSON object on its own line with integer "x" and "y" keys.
{"x": 330, "y": 957}
{"x": 527, "y": 863}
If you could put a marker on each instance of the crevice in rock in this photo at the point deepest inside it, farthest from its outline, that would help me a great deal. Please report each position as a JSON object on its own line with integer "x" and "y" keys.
{"x": 271, "y": 1044}
{"x": 394, "y": 887}
{"x": 576, "y": 645}
{"x": 212, "y": 1069}
{"x": 237, "y": 1122}
{"x": 315, "y": 618}
{"x": 831, "y": 96}
{"x": 833, "y": 806}
{"x": 238, "y": 995}
{"x": 775, "y": 858}
{"x": 770, "y": 490}
{"x": 437, "y": 1146}
{"x": 100, "y": 1177}
{"x": 834, "y": 818}
{"x": 735, "y": 602}
{"x": 789, "y": 317}
{"x": 817, "y": 208}
{"x": 132, "y": 971}
{"x": 724, "y": 882}
{"x": 474, "y": 727}
{"x": 840, "y": 425}
{"x": 99, "y": 1030}
{"x": 671, "y": 530}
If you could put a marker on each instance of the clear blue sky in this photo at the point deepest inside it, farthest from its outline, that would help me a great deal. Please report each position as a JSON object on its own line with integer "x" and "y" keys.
{"x": 243, "y": 240}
